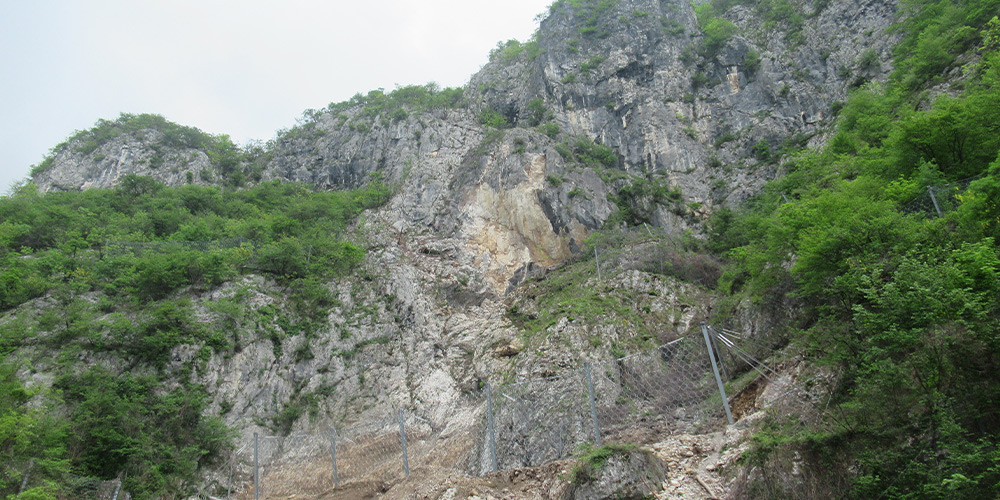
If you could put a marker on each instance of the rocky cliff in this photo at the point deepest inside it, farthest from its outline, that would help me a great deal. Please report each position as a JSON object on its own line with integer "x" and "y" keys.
{"x": 708, "y": 121}
{"x": 617, "y": 112}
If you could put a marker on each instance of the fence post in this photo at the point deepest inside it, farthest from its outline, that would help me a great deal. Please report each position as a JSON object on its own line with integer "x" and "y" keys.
{"x": 718, "y": 354}
{"x": 333, "y": 455}
{"x": 118, "y": 488}
{"x": 598, "y": 262}
{"x": 27, "y": 474}
{"x": 256, "y": 469}
{"x": 491, "y": 426}
{"x": 593, "y": 405}
{"x": 232, "y": 472}
{"x": 402, "y": 439}
{"x": 937, "y": 208}
{"x": 715, "y": 370}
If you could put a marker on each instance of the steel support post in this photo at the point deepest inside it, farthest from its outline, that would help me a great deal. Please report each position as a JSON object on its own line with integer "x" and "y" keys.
{"x": 492, "y": 426}
{"x": 715, "y": 370}
{"x": 593, "y": 405}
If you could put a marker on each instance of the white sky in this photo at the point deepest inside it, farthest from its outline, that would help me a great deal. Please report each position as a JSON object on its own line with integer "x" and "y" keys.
{"x": 245, "y": 68}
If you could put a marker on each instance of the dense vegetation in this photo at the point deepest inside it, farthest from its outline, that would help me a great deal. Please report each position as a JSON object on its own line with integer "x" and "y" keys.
{"x": 902, "y": 305}
{"x": 786, "y": 16}
{"x": 116, "y": 269}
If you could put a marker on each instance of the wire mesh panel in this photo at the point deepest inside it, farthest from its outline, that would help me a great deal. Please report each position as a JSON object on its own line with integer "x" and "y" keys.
{"x": 785, "y": 396}
{"x": 371, "y": 450}
{"x": 233, "y": 477}
{"x": 639, "y": 398}
{"x": 457, "y": 441}
{"x": 303, "y": 464}
{"x": 297, "y": 464}
{"x": 541, "y": 421}
{"x": 938, "y": 199}
{"x": 645, "y": 396}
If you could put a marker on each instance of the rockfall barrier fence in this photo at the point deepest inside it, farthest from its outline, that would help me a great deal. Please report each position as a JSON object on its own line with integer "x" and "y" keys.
{"x": 677, "y": 387}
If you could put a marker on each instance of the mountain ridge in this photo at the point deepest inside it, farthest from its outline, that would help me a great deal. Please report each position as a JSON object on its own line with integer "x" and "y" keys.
{"x": 631, "y": 138}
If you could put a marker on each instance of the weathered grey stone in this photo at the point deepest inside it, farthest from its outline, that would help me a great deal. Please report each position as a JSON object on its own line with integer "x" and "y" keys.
{"x": 475, "y": 212}
{"x": 625, "y": 475}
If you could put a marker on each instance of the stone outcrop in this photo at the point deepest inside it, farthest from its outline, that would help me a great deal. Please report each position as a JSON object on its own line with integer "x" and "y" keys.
{"x": 477, "y": 210}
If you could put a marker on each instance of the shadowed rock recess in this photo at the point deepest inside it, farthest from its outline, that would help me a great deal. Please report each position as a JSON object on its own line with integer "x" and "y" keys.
{"x": 616, "y": 113}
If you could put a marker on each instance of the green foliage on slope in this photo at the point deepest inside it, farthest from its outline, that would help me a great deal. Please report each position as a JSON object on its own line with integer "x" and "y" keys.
{"x": 588, "y": 13}
{"x": 512, "y": 50}
{"x": 903, "y": 304}
{"x": 115, "y": 270}
{"x": 224, "y": 155}
{"x": 362, "y": 111}
{"x": 28, "y": 432}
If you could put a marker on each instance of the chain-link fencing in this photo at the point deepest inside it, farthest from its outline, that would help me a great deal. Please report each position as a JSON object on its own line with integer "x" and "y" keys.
{"x": 645, "y": 396}
{"x": 938, "y": 199}
{"x": 651, "y": 250}
{"x": 742, "y": 353}
{"x": 636, "y": 399}
{"x": 678, "y": 387}
{"x": 31, "y": 475}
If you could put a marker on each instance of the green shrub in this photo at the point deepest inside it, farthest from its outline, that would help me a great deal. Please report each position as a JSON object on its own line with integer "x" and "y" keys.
{"x": 869, "y": 61}
{"x": 550, "y": 129}
{"x": 590, "y": 153}
{"x": 762, "y": 150}
{"x": 125, "y": 422}
{"x": 902, "y": 304}
{"x": 591, "y": 64}
{"x": 752, "y": 62}
{"x": 538, "y": 112}
{"x": 493, "y": 119}
{"x": 724, "y": 138}
{"x": 512, "y": 50}
{"x": 590, "y": 463}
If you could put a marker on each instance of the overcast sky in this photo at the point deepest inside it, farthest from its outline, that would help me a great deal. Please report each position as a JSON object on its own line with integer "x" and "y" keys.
{"x": 244, "y": 68}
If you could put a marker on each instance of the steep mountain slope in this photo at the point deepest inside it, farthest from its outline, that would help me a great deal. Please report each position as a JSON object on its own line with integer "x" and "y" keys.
{"x": 703, "y": 116}
{"x": 630, "y": 112}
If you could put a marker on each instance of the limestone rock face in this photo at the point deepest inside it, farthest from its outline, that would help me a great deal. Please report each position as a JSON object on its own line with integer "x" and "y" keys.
{"x": 625, "y": 475}
{"x": 136, "y": 153}
{"x": 633, "y": 75}
{"x": 639, "y": 85}
{"x": 477, "y": 209}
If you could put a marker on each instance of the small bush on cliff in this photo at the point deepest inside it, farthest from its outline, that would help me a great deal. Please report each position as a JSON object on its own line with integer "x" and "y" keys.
{"x": 493, "y": 119}
{"x": 512, "y": 50}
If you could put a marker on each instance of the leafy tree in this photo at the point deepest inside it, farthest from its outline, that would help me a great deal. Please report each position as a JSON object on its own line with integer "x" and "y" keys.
{"x": 903, "y": 304}
{"x": 27, "y": 432}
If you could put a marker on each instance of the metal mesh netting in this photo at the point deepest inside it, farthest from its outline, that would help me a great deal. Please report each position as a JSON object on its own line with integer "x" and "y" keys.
{"x": 384, "y": 448}
{"x": 642, "y": 397}
{"x": 938, "y": 199}
{"x": 541, "y": 420}
{"x": 455, "y": 440}
{"x": 638, "y": 398}
{"x": 369, "y": 449}
{"x": 791, "y": 402}
{"x": 303, "y": 464}
{"x": 640, "y": 248}
{"x": 25, "y": 476}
